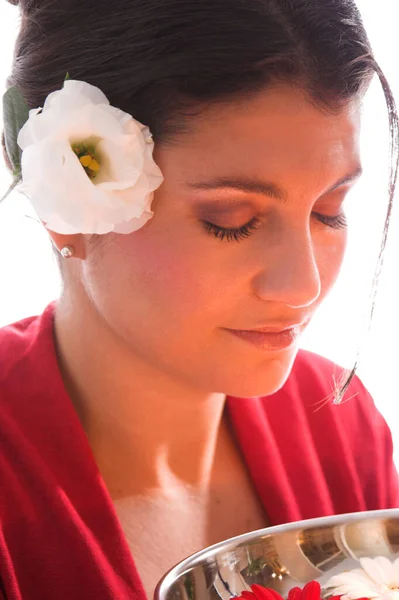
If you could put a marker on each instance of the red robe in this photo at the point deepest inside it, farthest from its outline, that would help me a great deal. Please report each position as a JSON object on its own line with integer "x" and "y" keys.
{"x": 59, "y": 534}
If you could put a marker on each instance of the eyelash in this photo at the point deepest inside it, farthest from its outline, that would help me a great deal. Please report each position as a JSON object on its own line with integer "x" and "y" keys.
{"x": 338, "y": 222}
{"x": 236, "y": 235}
{"x": 230, "y": 234}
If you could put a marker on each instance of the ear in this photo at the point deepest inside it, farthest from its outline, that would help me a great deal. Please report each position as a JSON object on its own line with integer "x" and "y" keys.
{"x": 75, "y": 242}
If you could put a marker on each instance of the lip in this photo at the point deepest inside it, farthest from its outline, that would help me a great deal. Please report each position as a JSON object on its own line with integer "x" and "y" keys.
{"x": 272, "y": 329}
{"x": 269, "y": 338}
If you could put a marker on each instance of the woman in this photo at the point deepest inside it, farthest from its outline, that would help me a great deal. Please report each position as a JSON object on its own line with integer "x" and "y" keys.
{"x": 116, "y": 437}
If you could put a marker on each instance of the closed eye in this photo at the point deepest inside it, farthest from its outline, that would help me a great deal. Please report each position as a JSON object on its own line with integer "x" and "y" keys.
{"x": 232, "y": 234}
{"x": 335, "y": 222}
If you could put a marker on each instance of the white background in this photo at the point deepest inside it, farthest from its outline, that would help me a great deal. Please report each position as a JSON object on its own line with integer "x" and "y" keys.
{"x": 29, "y": 278}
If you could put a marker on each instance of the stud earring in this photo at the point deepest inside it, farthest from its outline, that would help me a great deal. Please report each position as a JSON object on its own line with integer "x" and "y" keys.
{"x": 67, "y": 251}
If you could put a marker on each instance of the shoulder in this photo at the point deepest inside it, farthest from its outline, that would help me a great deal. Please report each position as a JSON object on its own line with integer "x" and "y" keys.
{"x": 308, "y": 396}
{"x": 304, "y": 405}
{"x": 342, "y": 452}
{"x": 25, "y": 349}
{"x": 314, "y": 379}
{"x": 15, "y": 342}
{"x": 321, "y": 370}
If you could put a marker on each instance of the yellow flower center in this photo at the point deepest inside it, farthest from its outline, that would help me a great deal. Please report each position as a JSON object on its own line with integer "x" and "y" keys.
{"x": 88, "y": 158}
{"x": 89, "y": 162}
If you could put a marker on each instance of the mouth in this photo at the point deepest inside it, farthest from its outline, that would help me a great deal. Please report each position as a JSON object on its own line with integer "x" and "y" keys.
{"x": 270, "y": 338}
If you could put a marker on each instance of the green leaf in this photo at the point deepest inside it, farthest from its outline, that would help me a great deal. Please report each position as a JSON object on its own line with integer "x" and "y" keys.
{"x": 67, "y": 77}
{"x": 15, "y": 115}
{"x": 17, "y": 173}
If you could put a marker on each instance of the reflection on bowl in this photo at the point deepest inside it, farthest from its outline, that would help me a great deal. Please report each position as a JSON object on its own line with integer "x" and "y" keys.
{"x": 283, "y": 557}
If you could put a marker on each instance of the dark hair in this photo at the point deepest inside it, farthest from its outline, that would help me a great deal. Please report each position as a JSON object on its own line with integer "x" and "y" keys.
{"x": 164, "y": 60}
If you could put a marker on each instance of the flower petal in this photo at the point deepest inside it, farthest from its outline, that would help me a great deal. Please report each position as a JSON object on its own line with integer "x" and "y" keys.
{"x": 263, "y": 593}
{"x": 133, "y": 224}
{"x": 119, "y": 198}
{"x": 378, "y": 569}
{"x": 348, "y": 577}
{"x": 295, "y": 593}
{"x": 73, "y": 95}
{"x": 125, "y": 162}
{"x": 24, "y": 137}
{"x": 247, "y": 595}
{"x": 395, "y": 568}
{"x": 76, "y": 125}
{"x": 124, "y": 119}
{"x": 88, "y": 121}
{"x": 311, "y": 591}
{"x": 353, "y": 584}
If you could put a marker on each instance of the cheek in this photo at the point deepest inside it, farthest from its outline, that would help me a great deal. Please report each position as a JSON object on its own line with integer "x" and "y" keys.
{"x": 162, "y": 280}
{"x": 329, "y": 254}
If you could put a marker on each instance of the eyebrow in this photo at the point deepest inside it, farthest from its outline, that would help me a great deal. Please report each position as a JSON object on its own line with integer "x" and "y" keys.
{"x": 266, "y": 188}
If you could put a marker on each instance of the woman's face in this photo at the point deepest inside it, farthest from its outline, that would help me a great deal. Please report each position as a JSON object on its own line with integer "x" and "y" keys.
{"x": 174, "y": 290}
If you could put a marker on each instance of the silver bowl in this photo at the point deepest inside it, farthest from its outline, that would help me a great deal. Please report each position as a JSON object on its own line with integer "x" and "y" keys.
{"x": 283, "y": 557}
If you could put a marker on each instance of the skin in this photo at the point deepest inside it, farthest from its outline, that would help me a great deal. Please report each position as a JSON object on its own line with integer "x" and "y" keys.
{"x": 150, "y": 374}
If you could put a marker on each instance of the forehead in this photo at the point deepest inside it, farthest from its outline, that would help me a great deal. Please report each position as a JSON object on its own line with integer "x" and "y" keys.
{"x": 278, "y": 131}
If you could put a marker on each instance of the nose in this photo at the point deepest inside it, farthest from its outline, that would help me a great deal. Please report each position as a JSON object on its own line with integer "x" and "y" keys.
{"x": 289, "y": 273}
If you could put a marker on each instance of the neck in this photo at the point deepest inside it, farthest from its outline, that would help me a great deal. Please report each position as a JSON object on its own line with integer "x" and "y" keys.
{"x": 132, "y": 413}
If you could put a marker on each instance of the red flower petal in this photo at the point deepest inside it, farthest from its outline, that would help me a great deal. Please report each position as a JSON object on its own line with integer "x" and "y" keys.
{"x": 339, "y": 598}
{"x": 262, "y": 593}
{"x": 295, "y": 593}
{"x": 311, "y": 591}
{"x": 246, "y": 595}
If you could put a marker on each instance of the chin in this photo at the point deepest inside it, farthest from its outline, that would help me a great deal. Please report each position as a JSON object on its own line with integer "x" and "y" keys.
{"x": 265, "y": 380}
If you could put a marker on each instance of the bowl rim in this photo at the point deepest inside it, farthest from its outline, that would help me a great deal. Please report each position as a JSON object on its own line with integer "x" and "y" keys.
{"x": 194, "y": 559}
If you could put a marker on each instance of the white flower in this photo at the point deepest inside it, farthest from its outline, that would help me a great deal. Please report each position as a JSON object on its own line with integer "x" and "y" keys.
{"x": 378, "y": 578}
{"x": 87, "y": 167}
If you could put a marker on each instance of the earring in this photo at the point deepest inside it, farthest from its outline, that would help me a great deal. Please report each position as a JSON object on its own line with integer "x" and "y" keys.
{"x": 67, "y": 251}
